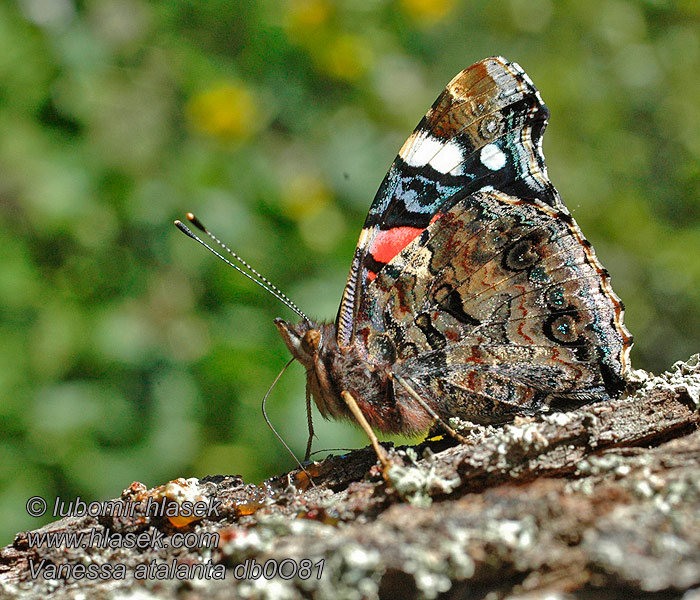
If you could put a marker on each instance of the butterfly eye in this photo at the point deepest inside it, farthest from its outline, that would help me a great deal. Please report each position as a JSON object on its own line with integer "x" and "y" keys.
{"x": 311, "y": 341}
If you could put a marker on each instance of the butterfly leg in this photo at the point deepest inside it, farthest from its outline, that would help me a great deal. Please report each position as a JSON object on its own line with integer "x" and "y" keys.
{"x": 311, "y": 425}
{"x": 360, "y": 418}
{"x": 411, "y": 392}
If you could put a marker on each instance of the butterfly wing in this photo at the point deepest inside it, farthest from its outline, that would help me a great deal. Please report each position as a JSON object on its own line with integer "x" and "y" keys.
{"x": 495, "y": 300}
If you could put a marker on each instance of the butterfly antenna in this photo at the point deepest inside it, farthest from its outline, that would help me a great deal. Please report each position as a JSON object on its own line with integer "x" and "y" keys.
{"x": 269, "y": 423}
{"x": 263, "y": 282}
{"x": 199, "y": 225}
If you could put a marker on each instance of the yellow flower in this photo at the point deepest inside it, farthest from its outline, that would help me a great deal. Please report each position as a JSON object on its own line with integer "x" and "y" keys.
{"x": 304, "y": 196}
{"x": 227, "y": 111}
{"x": 428, "y": 11}
{"x": 305, "y": 15}
{"x": 347, "y": 57}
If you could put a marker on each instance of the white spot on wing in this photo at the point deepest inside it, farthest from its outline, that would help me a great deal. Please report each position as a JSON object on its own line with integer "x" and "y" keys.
{"x": 492, "y": 157}
{"x": 424, "y": 149}
{"x": 447, "y": 158}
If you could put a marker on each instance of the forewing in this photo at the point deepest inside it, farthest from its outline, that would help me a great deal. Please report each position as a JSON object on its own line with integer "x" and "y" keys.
{"x": 484, "y": 130}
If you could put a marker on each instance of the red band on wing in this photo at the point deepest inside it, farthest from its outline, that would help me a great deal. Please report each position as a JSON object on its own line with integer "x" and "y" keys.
{"x": 387, "y": 244}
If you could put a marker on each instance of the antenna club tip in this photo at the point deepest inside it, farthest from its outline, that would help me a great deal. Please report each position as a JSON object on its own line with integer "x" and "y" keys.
{"x": 182, "y": 227}
{"x": 196, "y": 222}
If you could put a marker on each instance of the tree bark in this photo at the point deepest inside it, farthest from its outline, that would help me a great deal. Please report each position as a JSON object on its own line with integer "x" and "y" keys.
{"x": 600, "y": 502}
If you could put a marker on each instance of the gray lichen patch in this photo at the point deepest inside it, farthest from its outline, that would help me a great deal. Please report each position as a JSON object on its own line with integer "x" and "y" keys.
{"x": 527, "y": 437}
{"x": 683, "y": 378}
{"x": 417, "y": 481}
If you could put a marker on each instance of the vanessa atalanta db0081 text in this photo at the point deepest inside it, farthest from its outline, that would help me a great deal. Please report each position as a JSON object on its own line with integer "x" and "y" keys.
{"x": 472, "y": 292}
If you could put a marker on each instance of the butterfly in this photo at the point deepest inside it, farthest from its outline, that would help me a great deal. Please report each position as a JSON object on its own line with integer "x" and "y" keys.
{"x": 472, "y": 292}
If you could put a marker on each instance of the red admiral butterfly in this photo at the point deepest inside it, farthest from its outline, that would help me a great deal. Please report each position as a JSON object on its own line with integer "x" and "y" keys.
{"x": 472, "y": 292}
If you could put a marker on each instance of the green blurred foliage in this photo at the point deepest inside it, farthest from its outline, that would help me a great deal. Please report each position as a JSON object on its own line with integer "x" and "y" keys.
{"x": 129, "y": 353}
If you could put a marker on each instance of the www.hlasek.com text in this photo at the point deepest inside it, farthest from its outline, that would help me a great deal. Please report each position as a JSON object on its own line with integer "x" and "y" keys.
{"x": 103, "y": 538}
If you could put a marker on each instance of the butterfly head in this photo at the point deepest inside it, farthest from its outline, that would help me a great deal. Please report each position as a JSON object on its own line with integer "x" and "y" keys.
{"x": 314, "y": 346}
{"x": 302, "y": 339}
